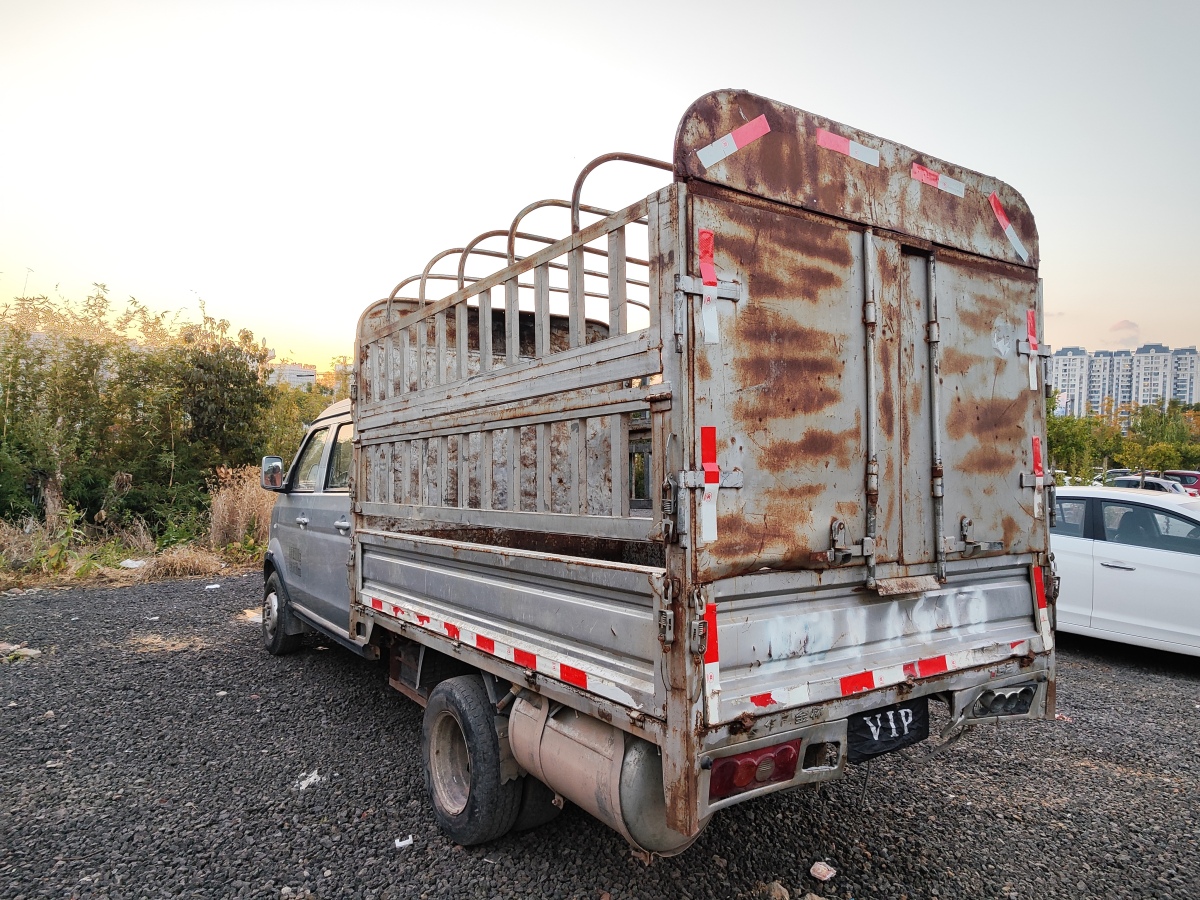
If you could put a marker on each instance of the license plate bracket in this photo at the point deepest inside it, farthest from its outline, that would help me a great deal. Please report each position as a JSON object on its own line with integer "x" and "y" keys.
{"x": 889, "y": 728}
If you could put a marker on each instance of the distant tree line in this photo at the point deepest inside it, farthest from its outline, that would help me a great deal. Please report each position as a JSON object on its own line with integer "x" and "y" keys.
{"x": 127, "y": 414}
{"x": 1149, "y": 438}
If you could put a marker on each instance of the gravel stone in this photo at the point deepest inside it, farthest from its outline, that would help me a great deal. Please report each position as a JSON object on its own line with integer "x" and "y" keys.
{"x": 154, "y": 749}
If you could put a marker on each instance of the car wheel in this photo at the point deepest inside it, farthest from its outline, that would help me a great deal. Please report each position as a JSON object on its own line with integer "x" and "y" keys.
{"x": 461, "y": 755}
{"x": 277, "y": 619}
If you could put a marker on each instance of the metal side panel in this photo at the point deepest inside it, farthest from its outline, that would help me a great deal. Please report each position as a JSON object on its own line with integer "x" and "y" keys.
{"x": 588, "y": 624}
{"x": 780, "y": 648}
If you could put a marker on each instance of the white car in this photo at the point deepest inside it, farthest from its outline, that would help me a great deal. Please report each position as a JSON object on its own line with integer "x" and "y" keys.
{"x": 1129, "y": 561}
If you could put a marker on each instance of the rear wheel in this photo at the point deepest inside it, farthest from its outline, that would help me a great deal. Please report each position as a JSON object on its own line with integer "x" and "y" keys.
{"x": 277, "y": 619}
{"x": 461, "y": 753}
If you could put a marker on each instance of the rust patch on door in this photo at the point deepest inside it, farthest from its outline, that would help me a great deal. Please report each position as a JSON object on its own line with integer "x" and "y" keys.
{"x": 887, "y": 401}
{"x": 784, "y": 368}
{"x": 774, "y": 537}
{"x": 1000, "y": 421}
{"x": 784, "y": 257}
{"x": 1011, "y": 530}
{"x": 818, "y": 447}
{"x": 987, "y": 461}
{"x": 955, "y": 362}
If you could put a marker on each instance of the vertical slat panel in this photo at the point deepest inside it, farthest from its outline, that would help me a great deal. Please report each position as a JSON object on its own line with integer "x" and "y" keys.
{"x": 405, "y": 495}
{"x": 543, "y": 467}
{"x": 618, "y": 322}
{"x": 443, "y": 445}
{"x": 402, "y": 363}
{"x": 464, "y": 476}
{"x": 387, "y": 390}
{"x": 575, "y": 289}
{"x": 440, "y": 345}
{"x": 541, "y": 311}
{"x": 422, "y": 328}
{"x": 514, "y": 468}
{"x": 485, "y": 331}
{"x": 418, "y": 449}
{"x": 485, "y": 470}
{"x": 618, "y": 425}
{"x": 389, "y": 484}
{"x": 578, "y": 464}
{"x": 512, "y": 321}
{"x": 462, "y": 335}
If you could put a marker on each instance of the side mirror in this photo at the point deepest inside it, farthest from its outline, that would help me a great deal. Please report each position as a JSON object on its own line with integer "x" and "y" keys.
{"x": 272, "y": 473}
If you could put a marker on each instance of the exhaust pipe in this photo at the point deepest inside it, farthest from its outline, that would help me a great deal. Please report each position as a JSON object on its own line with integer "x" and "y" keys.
{"x": 613, "y": 775}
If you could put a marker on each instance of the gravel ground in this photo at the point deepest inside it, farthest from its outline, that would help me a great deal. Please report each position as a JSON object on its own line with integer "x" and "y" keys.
{"x": 155, "y": 750}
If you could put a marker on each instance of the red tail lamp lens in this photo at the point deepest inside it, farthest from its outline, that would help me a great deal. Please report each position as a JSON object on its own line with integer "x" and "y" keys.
{"x": 732, "y": 775}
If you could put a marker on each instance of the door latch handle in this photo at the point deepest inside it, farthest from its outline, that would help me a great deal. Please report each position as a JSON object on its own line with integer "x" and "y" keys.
{"x": 1118, "y": 566}
{"x": 342, "y": 525}
{"x": 301, "y": 521}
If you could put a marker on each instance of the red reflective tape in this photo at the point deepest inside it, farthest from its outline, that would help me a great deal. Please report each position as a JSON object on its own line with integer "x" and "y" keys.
{"x": 924, "y": 175}
{"x": 376, "y": 603}
{"x": 831, "y": 141}
{"x": 750, "y": 132}
{"x": 998, "y": 210}
{"x": 763, "y": 700}
{"x": 708, "y": 269}
{"x": 935, "y": 665}
{"x": 451, "y": 630}
{"x": 856, "y": 684}
{"x": 1031, "y": 327}
{"x": 708, "y": 444}
{"x": 422, "y": 620}
{"x": 911, "y": 670}
{"x": 486, "y": 644}
{"x": 524, "y": 658}
{"x": 571, "y": 675}
{"x": 1016, "y": 644}
{"x": 1039, "y": 587}
{"x": 1038, "y": 471}
{"x": 712, "y": 652}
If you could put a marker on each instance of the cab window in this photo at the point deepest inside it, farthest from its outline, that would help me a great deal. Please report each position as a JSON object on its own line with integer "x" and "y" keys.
{"x": 339, "y": 460}
{"x": 1152, "y": 528}
{"x": 309, "y": 461}
{"x": 1071, "y": 513}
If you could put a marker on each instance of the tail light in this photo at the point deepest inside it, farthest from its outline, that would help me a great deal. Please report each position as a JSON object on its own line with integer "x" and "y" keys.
{"x": 733, "y": 775}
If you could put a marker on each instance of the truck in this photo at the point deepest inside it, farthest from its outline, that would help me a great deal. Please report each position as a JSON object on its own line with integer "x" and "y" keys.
{"x": 717, "y": 495}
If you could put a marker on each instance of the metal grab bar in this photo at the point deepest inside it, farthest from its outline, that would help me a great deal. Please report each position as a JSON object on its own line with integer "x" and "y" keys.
{"x": 601, "y": 160}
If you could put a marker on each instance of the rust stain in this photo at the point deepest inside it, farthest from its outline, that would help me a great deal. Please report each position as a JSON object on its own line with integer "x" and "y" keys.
{"x": 999, "y": 421}
{"x": 775, "y": 537}
{"x": 981, "y": 317}
{"x": 784, "y": 367}
{"x": 703, "y": 366}
{"x": 987, "y": 461}
{"x": 816, "y": 447}
{"x": 887, "y": 400}
{"x": 1011, "y": 530}
{"x": 955, "y": 362}
{"x": 785, "y": 257}
{"x": 848, "y": 510}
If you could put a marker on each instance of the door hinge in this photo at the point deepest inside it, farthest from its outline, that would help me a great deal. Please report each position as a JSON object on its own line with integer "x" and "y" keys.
{"x": 695, "y": 480}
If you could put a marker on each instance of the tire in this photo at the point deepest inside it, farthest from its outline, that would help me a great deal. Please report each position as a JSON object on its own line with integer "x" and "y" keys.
{"x": 461, "y": 754}
{"x": 277, "y": 619}
{"x": 537, "y": 805}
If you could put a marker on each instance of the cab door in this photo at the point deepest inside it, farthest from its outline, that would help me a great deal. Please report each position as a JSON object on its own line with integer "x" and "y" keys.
{"x": 327, "y": 537}
{"x": 293, "y": 516}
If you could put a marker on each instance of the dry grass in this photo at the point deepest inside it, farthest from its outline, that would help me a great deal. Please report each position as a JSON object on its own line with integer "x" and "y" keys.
{"x": 19, "y": 542}
{"x": 240, "y": 508}
{"x": 180, "y": 561}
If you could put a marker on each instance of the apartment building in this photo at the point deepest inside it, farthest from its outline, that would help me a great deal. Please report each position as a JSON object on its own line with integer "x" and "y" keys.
{"x": 1153, "y": 374}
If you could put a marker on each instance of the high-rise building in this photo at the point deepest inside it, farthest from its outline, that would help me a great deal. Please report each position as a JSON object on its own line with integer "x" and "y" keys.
{"x": 1069, "y": 374}
{"x": 1107, "y": 380}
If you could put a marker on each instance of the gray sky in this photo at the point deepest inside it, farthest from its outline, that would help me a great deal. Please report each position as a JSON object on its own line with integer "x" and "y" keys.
{"x": 289, "y": 162}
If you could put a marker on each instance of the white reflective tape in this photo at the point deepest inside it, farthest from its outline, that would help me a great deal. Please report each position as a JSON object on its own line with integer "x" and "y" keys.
{"x": 708, "y": 514}
{"x": 1033, "y": 373}
{"x": 716, "y": 151}
{"x": 889, "y": 675}
{"x": 712, "y": 691}
{"x": 708, "y": 314}
{"x": 864, "y": 154}
{"x": 1011, "y": 234}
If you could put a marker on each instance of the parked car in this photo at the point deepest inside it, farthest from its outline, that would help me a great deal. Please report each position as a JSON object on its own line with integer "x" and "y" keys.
{"x": 1150, "y": 483}
{"x": 1130, "y": 566}
{"x": 1189, "y": 479}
